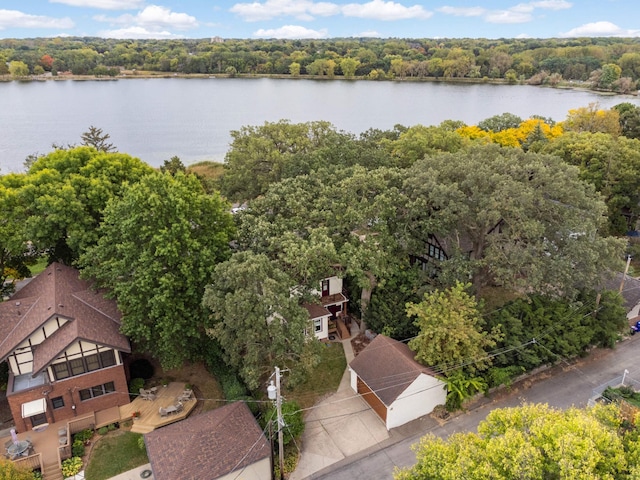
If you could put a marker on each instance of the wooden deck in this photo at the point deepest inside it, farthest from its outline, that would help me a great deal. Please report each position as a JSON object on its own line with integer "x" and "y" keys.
{"x": 150, "y": 418}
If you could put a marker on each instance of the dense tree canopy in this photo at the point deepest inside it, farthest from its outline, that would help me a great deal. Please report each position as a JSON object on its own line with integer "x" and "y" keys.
{"x": 535, "y": 442}
{"x": 157, "y": 248}
{"x": 511, "y": 219}
{"x": 256, "y": 320}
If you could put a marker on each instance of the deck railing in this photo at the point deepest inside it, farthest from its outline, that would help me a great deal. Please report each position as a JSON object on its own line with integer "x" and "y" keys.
{"x": 32, "y": 462}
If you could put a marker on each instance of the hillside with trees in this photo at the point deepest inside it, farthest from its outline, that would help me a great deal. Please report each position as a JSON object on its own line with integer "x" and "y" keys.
{"x": 611, "y": 64}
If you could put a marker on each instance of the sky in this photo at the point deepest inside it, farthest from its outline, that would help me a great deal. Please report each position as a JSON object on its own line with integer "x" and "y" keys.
{"x": 305, "y": 19}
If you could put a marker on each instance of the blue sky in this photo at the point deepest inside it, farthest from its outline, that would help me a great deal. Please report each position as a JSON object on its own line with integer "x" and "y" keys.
{"x": 319, "y": 18}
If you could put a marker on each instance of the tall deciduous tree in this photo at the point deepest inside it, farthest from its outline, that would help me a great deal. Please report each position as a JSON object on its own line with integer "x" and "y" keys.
{"x": 532, "y": 442}
{"x": 64, "y": 193}
{"x": 451, "y": 334}
{"x": 158, "y": 246}
{"x": 511, "y": 219}
{"x": 256, "y": 320}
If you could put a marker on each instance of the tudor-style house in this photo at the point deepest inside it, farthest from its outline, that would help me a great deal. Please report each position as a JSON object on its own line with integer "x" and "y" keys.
{"x": 62, "y": 341}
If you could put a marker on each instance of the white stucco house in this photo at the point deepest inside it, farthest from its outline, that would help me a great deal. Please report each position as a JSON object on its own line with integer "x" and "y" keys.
{"x": 398, "y": 388}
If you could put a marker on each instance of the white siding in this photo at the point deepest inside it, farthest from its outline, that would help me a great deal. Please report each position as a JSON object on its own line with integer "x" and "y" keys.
{"x": 354, "y": 380}
{"x": 324, "y": 332}
{"x": 418, "y": 399}
{"x": 335, "y": 285}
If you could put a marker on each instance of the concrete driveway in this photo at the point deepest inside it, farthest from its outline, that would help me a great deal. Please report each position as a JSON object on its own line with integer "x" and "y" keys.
{"x": 339, "y": 426}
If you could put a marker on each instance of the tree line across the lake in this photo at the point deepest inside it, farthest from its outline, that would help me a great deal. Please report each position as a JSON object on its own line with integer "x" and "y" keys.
{"x": 466, "y": 241}
{"x": 604, "y": 63}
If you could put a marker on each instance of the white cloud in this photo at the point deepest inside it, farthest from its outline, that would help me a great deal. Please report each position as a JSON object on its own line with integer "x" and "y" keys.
{"x": 552, "y": 4}
{"x": 381, "y": 10}
{"x": 462, "y": 11}
{"x": 153, "y": 18}
{"x": 16, "y": 19}
{"x": 290, "y": 31}
{"x": 136, "y": 32}
{"x": 508, "y": 16}
{"x": 103, "y": 4}
{"x": 302, "y": 10}
{"x": 600, "y": 29}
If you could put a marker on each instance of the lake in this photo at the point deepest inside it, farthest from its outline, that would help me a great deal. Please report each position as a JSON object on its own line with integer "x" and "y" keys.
{"x": 155, "y": 119}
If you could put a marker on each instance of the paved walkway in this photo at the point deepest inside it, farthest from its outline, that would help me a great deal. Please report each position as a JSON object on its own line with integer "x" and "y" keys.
{"x": 338, "y": 427}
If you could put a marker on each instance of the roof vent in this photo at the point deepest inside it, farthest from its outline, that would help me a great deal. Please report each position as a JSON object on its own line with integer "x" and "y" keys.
{"x": 17, "y": 304}
{"x": 60, "y": 305}
{"x": 48, "y": 308}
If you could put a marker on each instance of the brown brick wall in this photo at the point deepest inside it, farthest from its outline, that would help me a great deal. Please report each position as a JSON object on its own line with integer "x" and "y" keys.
{"x": 68, "y": 390}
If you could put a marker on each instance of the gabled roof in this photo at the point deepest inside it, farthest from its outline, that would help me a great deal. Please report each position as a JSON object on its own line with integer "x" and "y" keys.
{"x": 316, "y": 311}
{"x": 209, "y": 445}
{"x": 388, "y": 367}
{"x": 59, "y": 292}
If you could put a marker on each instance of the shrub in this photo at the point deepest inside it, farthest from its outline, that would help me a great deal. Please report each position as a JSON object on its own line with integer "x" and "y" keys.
{"x": 135, "y": 386}
{"x": 83, "y": 435}
{"x": 111, "y": 427}
{"x": 103, "y": 430}
{"x": 71, "y": 466}
{"x": 141, "y": 444}
{"x": 37, "y": 475}
{"x": 77, "y": 449}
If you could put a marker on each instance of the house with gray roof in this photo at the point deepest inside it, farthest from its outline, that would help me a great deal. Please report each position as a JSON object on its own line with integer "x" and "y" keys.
{"x": 62, "y": 341}
{"x": 394, "y": 384}
{"x": 222, "y": 444}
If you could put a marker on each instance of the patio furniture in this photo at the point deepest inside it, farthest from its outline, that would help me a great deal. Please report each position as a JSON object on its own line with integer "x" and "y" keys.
{"x": 147, "y": 394}
{"x": 185, "y": 395}
{"x": 62, "y": 431}
{"x": 62, "y": 440}
{"x": 163, "y": 412}
{"x": 17, "y": 449}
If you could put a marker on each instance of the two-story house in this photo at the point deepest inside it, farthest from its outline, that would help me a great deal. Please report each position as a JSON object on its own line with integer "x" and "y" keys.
{"x": 62, "y": 341}
{"x": 331, "y": 309}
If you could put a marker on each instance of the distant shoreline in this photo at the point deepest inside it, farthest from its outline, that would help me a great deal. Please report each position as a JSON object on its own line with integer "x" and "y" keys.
{"x": 572, "y": 85}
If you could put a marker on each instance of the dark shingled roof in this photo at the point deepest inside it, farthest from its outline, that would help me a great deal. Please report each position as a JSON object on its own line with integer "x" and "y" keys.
{"x": 208, "y": 445}
{"x": 388, "y": 367}
{"x": 630, "y": 289}
{"x": 315, "y": 310}
{"x": 59, "y": 291}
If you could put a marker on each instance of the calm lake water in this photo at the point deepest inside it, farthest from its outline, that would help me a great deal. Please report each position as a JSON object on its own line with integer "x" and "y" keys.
{"x": 155, "y": 119}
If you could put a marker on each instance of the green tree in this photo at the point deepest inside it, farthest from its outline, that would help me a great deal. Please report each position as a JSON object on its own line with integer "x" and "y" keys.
{"x": 97, "y": 139}
{"x": 173, "y": 166}
{"x": 158, "y": 245}
{"x": 9, "y": 470}
{"x": 417, "y": 142}
{"x": 256, "y": 320}
{"x": 294, "y": 69}
{"x": 14, "y": 252}
{"x": 629, "y": 119}
{"x": 451, "y": 333}
{"x": 18, "y": 69}
{"x": 501, "y": 122}
{"x": 64, "y": 193}
{"x": 535, "y": 442}
{"x": 523, "y": 221}
{"x": 349, "y": 66}
{"x": 293, "y": 420}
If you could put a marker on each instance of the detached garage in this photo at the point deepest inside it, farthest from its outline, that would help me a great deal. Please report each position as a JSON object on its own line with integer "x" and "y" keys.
{"x": 397, "y": 387}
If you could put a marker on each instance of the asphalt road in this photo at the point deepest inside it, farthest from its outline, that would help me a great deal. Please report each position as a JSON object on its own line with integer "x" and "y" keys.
{"x": 567, "y": 384}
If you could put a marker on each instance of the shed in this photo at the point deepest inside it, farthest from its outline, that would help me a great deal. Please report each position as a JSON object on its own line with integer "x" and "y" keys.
{"x": 398, "y": 388}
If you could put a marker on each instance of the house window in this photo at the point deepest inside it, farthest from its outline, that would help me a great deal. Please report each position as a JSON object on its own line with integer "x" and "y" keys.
{"x": 108, "y": 358}
{"x": 89, "y": 363}
{"x": 96, "y": 391}
{"x": 317, "y": 325}
{"x": 57, "y": 402}
{"x": 60, "y": 371}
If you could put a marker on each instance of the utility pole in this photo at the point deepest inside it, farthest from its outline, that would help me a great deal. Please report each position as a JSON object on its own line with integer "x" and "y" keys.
{"x": 274, "y": 394}
{"x": 624, "y": 275}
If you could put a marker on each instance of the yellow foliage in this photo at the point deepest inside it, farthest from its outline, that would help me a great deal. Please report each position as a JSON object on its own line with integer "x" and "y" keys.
{"x": 473, "y": 132}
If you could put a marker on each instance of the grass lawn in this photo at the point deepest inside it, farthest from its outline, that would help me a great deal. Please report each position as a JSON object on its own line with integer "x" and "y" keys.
{"x": 324, "y": 379}
{"x": 115, "y": 453}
